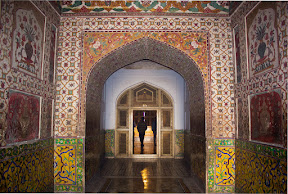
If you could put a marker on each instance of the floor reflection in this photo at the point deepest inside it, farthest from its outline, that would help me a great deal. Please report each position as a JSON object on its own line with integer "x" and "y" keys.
{"x": 144, "y": 176}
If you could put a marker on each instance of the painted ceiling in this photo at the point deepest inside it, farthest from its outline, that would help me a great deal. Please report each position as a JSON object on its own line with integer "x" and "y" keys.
{"x": 144, "y": 7}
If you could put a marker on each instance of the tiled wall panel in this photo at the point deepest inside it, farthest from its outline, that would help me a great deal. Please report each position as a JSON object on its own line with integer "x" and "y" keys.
{"x": 156, "y": 7}
{"x": 110, "y": 143}
{"x": 221, "y": 165}
{"x": 179, "y": 143}
{"x": 27, "y": 167}
{"x": 260, "y": 168}
{"x": 69, "y": 165}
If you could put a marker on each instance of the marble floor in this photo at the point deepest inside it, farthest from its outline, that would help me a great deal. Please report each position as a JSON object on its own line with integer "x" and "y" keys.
{"x": 144, "y": 176}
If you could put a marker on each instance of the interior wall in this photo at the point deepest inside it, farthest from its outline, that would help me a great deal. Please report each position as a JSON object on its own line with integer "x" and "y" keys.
{"x": 261, "y": 158}
{"x": 27, "y": 95}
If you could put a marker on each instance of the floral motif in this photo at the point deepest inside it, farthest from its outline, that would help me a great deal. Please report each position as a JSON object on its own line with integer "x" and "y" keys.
{"x": 27, "y": 46}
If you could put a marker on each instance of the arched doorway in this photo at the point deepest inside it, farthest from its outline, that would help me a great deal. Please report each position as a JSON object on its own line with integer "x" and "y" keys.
{"x": 199, "y": 101}
{"x": 156, "y": 106}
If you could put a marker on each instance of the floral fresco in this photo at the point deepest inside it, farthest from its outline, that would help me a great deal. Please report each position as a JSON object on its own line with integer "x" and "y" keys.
{"x": 22, "y": 117}
{"x": 262, "y": 38}
{"x": 28, "y": 39}
{"x": 266, "y": 121}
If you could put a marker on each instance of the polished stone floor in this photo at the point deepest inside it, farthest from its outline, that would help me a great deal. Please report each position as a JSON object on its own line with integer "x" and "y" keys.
{"x": 144, "y": 176}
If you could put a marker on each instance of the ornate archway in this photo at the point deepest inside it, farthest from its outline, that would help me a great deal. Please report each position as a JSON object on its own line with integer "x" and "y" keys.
{"x": 160, "y": 48}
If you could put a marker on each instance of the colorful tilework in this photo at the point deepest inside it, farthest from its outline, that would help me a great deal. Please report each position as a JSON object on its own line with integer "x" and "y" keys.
{"x": 70, "y": 45}
{"x": 179, "y": 143}
{"x": 221, "y": 165}
{"x": 69, "y": 165}
{"x": 225, "y": 166}
{"x": 260, "y": 168}
{"x": 109, "y": 143}
{"x": 27, "y": 167}
{"x": 221, "y": 71}
{"x": 82, "y": 8}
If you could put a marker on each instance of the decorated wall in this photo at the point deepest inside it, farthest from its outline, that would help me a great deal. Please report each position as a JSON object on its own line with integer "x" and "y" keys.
{"x": 69, "y": 79}
{"x": 260, "y": 42}
{"x": 27, "y": 93}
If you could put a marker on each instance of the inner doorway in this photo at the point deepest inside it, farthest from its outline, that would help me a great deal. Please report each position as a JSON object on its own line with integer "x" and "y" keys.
{"x": 150, "y": 138}
{"x": 144, "y": 100}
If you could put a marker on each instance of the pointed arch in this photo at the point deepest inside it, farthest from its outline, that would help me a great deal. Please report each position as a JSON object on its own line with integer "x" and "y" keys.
{"x": 197, "y": 80}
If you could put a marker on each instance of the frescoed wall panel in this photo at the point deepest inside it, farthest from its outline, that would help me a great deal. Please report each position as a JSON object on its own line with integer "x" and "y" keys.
{"x": 266, "y": 120}
{"x": 23, "y": 117}
{"x": 28, "y": 38}
{"x": 24, "y": 166}
{"x": 11, "y": 77}
{"x": 262, "y": 38}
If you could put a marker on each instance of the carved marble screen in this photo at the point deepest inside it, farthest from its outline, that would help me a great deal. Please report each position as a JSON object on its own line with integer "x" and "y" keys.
{"x": 22, "y": 117}
{"x": 262, "y": 39}
{"x": 28, "y": 38}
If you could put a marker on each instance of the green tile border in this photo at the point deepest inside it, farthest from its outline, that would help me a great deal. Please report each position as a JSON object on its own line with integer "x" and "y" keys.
{"x": 178, "y": 134}
{"x": 254, "y": 149}
{"x": 23, "y": 149}
{"x": 109, "y": 143}
{"x": 211, "y": 158}
{"x": 79, "y": 187}
{"x": 267, "y": 150}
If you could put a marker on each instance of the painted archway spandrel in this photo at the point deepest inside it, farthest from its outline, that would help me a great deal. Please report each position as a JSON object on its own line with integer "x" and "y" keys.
{"x": 99, "y": 44}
